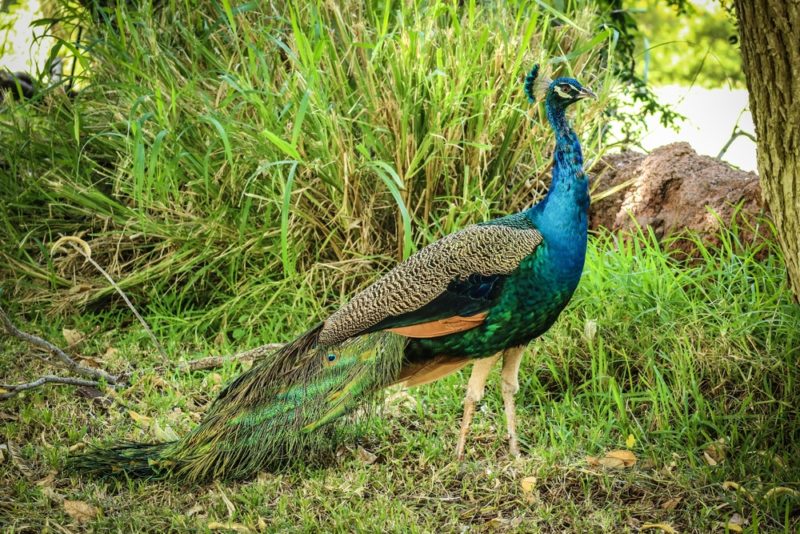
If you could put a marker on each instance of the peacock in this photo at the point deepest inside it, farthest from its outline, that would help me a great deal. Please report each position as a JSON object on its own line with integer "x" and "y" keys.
{"x": 474, "y": 296}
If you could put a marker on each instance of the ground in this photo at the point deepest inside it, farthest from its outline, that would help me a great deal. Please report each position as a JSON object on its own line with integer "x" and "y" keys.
{"x": 689, "y": 369}
{"x": 673, "y": 189}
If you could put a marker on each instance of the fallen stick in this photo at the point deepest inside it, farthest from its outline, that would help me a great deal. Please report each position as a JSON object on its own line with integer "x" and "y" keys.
{"x": 65, "y": 358}
{"x": 215, "y": 362}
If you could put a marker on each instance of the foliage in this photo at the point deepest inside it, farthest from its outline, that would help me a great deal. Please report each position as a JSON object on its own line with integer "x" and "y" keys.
{"x": 694, "y": 45}
{"x": 693, "y": 368}
{"x": 636, "y": 92}
{"x": 665, "y": 42}
{"x": 251, "y": 162}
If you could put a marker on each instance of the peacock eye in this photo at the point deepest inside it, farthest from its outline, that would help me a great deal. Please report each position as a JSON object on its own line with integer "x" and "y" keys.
{"x": 564, "y": 90}
{"x": 331, "y": 357}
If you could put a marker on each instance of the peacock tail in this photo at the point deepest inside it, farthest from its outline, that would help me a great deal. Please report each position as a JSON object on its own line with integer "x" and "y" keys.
{"x": 278, "y": 410}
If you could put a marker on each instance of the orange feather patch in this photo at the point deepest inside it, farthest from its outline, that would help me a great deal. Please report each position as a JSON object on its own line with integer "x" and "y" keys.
{"x": 442, "y": 327}
{"x": 427, "y": 372}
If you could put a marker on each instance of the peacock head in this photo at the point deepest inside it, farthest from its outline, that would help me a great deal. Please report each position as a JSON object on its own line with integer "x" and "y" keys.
{"x": 559, "y": 93}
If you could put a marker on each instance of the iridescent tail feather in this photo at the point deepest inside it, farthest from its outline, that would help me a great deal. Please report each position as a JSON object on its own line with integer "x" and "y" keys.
{"x": 285, "y": 407}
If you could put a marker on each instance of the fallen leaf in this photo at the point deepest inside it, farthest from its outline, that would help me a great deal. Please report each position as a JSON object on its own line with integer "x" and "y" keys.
{"x": 627, "y": 458}
{"x": 781, "y": 490}
{"x": 228, "y": 504}
{"x": 194, "y": 510}
{"x": 672, "y": 503}
{"x": 733, "y": 527}
{"x": 236, "y": 527}
{"x": 141, "y": 420}
{"x": 528, "y": 483}
{"x": 617, "y": 459}
{"x": 365, "y": 456}
{"x": 590, "y": 330}
{"x": 664, "y": 527}
{"x": 630, "y": 442}
{"x": 611, "y": 463}
{"x": 715, "y": 452}
{"x": 730, "y": 485}
{"x": 80, "y": 511}
{"x": 72, "y": 337}
{"x": 736, "y": 519}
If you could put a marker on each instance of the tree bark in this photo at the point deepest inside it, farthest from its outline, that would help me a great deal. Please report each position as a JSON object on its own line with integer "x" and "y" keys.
{"x": 769, "y": 32}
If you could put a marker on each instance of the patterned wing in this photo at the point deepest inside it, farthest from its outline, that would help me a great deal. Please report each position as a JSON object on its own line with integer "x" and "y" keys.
{"x": 434, "y": 284}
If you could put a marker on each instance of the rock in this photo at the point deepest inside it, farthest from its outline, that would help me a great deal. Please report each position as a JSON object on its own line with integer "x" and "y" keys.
{"x": 671, "y": 190}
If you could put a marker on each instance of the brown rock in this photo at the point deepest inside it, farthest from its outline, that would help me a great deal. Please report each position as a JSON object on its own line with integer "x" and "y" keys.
{"x": 671, "y": 190}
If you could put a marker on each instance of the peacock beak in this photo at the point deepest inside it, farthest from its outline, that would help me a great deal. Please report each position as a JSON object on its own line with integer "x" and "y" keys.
{"x": 585, "y": 92}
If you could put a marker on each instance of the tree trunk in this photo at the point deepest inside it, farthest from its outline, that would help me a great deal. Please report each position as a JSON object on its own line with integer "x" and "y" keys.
{"x": 769, "y": 31}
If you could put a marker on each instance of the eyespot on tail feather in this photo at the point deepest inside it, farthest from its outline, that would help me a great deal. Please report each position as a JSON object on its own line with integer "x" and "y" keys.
{"x": 530, "y": 81}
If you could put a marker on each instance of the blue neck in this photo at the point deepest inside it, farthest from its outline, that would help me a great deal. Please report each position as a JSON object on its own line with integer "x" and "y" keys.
{"x": 563, "y": 211}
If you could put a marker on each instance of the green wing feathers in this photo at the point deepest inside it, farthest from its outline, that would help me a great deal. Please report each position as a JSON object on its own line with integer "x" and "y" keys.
{"x": 278, "y": 410}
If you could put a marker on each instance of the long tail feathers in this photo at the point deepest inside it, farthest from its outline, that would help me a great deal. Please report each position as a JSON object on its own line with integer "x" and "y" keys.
{"x": 279, "y": 410}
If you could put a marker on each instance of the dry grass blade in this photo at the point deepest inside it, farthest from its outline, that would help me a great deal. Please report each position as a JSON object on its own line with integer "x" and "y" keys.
{"x": 80, "y": 246}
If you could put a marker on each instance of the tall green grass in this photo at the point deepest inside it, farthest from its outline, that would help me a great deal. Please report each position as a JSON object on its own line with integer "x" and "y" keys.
{"x": 232, "y": 164}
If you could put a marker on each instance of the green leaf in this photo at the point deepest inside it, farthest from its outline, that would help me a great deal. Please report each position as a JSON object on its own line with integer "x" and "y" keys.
{"x": 282, "y": 145}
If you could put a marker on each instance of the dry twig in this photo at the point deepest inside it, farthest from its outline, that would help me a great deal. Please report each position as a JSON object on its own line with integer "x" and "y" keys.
{"x": 202, "y": 364}
{"x": 215, "y": 362}
{"x": 11, "y": 390}
{"x": 66, "y": 359}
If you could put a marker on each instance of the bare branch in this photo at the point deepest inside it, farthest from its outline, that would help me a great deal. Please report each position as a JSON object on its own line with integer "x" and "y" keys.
{"x": 11, "y": 390}
{"x": 67, "y": 360}
{"x": 215, "y": 362}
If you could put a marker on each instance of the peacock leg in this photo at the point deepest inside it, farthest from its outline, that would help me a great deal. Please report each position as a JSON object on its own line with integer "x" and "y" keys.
{"x": 510, "y": 372}
{"x": 475, "y": 389}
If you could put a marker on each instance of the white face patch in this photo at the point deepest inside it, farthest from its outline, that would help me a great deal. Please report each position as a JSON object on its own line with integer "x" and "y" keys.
{"x": 560, "y": 92}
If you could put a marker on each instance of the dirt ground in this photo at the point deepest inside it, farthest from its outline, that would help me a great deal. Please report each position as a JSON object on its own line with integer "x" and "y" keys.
{"x": 674, "y": 189}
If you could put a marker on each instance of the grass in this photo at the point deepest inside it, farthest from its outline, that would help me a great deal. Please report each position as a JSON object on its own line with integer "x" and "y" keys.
{"x": 244, "y": 172}
{"x": 217, "y": 167}
{"x": 681, "y": 361}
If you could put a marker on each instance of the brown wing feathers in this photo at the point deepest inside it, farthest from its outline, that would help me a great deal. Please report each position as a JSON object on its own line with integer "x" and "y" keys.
{"x": 479, "y": 249}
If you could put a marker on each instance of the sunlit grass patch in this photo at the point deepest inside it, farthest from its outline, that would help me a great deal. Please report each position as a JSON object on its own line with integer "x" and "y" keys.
{"x": 690, "y": 367}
